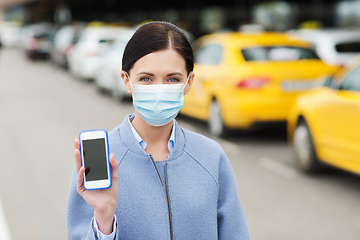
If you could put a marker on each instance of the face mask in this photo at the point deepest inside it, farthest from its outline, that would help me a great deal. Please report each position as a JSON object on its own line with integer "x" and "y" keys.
{"x": 158, "y": 104}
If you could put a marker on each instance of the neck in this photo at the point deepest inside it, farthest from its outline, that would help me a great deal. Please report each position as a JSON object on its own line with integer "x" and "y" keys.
{"x": 152, "y": 135}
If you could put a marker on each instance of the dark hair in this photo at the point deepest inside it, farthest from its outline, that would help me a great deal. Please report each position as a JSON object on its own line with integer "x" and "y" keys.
{"x": 156, "y": 36}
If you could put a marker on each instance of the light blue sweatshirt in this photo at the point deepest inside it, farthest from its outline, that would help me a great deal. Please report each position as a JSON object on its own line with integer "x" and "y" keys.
{"x": 197, "y": 200}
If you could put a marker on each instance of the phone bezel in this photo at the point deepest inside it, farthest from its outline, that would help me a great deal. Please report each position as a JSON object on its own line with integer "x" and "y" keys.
{"x": 89, "y": 135}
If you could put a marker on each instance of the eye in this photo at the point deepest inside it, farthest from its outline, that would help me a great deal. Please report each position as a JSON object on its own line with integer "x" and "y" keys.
{"x": 173, "y": 80}
{"x": 145, "y": 79}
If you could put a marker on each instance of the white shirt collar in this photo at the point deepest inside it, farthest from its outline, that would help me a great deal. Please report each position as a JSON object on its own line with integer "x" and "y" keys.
{"x": 171, "y": 143}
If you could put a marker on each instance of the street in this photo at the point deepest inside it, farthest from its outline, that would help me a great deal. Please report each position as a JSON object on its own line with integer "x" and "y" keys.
{"x": 43, "y": 109}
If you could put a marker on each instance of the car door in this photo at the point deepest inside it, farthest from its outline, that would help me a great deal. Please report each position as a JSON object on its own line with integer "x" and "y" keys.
{"x": 207, "y": 64}
{"x": 340, "y": 120}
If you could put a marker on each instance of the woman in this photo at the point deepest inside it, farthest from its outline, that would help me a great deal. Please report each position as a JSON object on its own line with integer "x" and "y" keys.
{"x": 168, "y": 182}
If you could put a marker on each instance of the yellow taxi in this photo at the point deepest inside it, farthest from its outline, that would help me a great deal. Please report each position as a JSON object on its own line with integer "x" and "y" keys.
{"x": 244, "y": 78}
{"x": 324, "y": 123}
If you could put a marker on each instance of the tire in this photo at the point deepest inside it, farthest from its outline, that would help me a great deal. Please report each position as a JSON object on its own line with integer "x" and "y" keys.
{"x": 101, "y": 90}
{"x": 215, "y": 123}
{"x": 306, "y": 159}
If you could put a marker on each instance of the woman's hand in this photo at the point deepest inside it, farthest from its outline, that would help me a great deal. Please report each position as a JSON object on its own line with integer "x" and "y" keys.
{"x": 104, "y": 200}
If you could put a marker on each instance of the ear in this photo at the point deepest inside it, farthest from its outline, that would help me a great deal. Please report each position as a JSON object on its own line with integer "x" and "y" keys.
{"x": 189, "y": 83}
{"x": 126, "y": 80}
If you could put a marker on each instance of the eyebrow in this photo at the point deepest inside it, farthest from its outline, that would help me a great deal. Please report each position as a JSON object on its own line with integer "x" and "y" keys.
{"x": 146, "y": 73}
{"x": 169, "y": 75}
{"x": 175, "y": 73}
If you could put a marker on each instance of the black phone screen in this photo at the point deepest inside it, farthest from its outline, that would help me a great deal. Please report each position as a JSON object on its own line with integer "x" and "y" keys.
{"x": 95, "y": 159}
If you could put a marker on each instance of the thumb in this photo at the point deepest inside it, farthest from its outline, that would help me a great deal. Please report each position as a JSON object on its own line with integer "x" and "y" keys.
{"x": 113, "y": 164}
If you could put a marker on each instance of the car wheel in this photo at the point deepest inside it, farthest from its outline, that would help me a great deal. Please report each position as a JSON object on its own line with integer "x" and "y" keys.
{"x": 303, "y": 145}
{"x": 117, "y": 94}
{"x": 215, "y": 122}
{"x": 100, "y": 89}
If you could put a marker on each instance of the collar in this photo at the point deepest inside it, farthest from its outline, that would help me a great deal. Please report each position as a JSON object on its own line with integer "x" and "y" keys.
{"x": 127, "y": 138}
{"x": 142, "y": 143}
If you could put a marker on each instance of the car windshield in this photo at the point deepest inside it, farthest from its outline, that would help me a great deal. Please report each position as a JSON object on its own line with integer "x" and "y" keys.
{"x": 277, "y": 53}
{"x": 348, "y": 47}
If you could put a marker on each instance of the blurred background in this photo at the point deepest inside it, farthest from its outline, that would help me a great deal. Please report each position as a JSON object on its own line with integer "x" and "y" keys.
{"x": 284, "y": 105}
{"x": 199, "y": 17}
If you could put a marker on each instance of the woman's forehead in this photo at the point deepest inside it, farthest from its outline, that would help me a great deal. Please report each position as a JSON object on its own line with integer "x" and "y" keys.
{"x": 160, "y": 62}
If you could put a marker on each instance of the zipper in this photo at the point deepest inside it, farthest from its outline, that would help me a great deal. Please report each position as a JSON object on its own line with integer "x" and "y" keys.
{"x": 166, "y": 190}
{"x": 168, "y": 201}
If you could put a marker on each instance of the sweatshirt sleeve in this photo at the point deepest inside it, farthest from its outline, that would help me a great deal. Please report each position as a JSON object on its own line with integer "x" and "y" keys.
{"x": 79, "y": 215}
{"x": 231, "y": 219}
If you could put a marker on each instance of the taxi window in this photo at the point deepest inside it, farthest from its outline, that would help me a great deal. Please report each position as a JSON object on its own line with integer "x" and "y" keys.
{"x": 352, "y": 81}
{"x": 348, "y": 47}
{"x": 209, "y": 54}
{"x": 277, "y": 53}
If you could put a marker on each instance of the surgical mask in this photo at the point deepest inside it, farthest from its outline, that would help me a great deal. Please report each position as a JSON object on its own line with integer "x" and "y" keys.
{"x": 158, "y": 104}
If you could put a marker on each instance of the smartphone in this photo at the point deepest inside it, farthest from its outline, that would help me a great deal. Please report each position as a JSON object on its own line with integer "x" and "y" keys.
{"x": 94, "y": 152}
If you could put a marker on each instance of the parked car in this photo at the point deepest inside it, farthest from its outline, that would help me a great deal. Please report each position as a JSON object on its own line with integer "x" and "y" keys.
{"x": 83, "y": 58}
{"x": 29, "y": 30}
{"x": 323, "y": 125}
{"x": 245, "y": 78}
{"x": 36, "y": 40}
{"x": 333, "y": 46}
{"x": 64, "y": 40}
{"x": 10, "y": 34}
{"x": 108, "y": 77}
{"x": 38, "y": 46}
